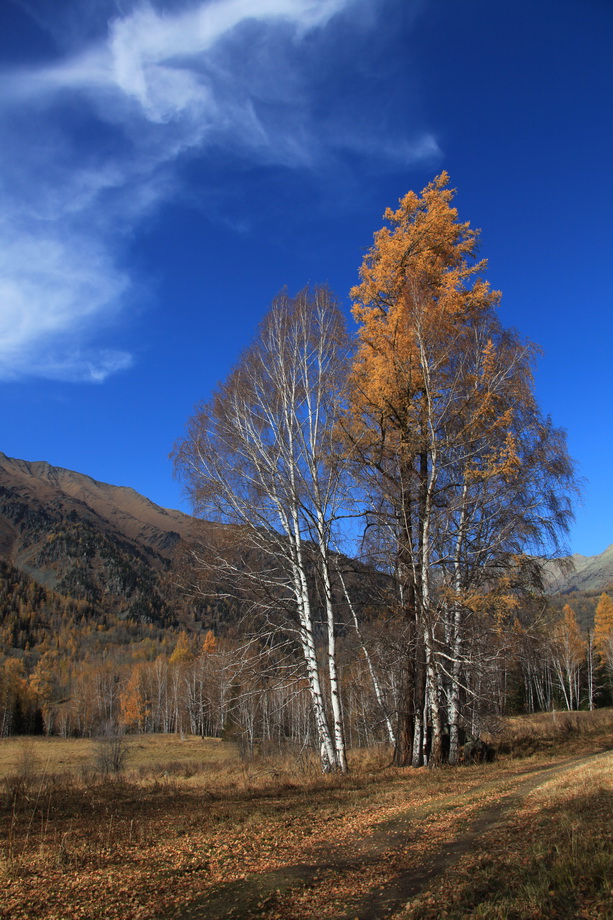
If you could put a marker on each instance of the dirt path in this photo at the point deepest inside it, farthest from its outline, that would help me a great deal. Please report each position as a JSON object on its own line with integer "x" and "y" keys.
{"x": 381, "y": 871}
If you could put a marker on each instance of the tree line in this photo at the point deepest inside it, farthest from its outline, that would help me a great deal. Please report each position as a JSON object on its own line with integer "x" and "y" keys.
{"x": 224, "y": 686}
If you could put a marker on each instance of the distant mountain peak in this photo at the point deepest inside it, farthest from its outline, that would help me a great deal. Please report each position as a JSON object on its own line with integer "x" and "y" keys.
{"x": 588, "y": 573}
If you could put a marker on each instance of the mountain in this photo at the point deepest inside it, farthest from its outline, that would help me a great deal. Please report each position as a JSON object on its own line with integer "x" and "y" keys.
{"x": 116, "y": 508}
{"x": 106, "y": 545}
{"x": 584, "y": 574}
{"x": 115, "y": 552}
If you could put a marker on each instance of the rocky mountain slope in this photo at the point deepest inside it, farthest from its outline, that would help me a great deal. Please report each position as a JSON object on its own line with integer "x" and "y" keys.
{"x": 584, "y": 574}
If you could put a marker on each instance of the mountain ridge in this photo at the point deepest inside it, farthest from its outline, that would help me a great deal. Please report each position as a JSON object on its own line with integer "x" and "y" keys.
{"x": 133, "y": 514}
{"x": 51, "y": 519}
{"x": 103, "y": 544}
{"x": 589, "y": 573}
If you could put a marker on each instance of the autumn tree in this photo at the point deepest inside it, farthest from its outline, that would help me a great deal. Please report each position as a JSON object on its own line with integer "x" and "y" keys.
{"x": 464, "y": 474}
{"x": 568, "y": 655}
{"x": 135, "y": 699}
{"x": 261, "y": 455}
{"x": 16, "y": 701}
{"x": 603, "y": 635}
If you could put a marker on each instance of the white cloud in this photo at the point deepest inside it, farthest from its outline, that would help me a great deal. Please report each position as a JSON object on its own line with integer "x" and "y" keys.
{"x": 53, "y": 288}
{"x": 155, "y": 86}
{"x": 77, "y": 366}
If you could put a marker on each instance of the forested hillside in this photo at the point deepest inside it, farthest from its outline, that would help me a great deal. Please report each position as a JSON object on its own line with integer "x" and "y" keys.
{"x": 118, "y": 647}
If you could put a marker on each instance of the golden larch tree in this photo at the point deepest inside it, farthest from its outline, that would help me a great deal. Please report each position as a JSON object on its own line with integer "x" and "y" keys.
{"x": 459, "y": 467}
{"x": 603, "y": 630}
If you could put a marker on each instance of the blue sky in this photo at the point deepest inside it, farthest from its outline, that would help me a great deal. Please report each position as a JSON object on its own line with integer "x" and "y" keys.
{"x": 166, "y": 167}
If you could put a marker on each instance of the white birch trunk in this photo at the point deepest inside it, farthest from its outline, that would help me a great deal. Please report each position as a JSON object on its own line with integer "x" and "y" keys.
{"x": 589, "y": 648}
{"x": 456, "y": 641}
{"x": 326, "y": 747}
{"x": 335, "y": 697}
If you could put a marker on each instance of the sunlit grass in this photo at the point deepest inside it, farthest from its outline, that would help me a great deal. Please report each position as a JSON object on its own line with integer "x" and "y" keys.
{"x": 189, "y": 815}
{"x": 547, "y": 732}
{"x": 551, "y": 859}
{"x": 74, "y": 757}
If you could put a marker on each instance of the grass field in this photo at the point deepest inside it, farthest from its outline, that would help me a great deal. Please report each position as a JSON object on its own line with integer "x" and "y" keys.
{"x": 191, "y": 831}
{"x": 146, "y": 755}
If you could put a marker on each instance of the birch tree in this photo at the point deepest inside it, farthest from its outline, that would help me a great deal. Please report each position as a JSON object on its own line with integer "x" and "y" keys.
{"x": 568, "y": 651}
{"x": 261, "y": 455}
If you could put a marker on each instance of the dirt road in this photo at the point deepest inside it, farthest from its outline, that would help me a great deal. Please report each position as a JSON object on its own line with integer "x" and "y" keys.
{"x": 372, "y": 875}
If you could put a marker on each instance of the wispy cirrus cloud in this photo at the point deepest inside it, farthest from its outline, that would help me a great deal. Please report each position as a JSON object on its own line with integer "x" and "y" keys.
{"x": 94, "y": 139}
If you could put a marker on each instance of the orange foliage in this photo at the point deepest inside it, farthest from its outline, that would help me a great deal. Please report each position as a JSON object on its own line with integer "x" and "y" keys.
{"x": 417, "y": 290}
{"x": 210, "y": 643}
{"x": 603, "y": 629}
{"x": 183, "y": 649}
{"x": 568, "y": 637}
{"x": 433, "y": 366}
{"x": 135, "y": 705}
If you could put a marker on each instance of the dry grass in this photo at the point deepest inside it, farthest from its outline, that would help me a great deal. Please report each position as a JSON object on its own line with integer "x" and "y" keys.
{"x": 554, "y": 732}
{"x": 190, "y": 816}
{"x": 148, "y": 845}
{"x": 147, "y": 755}
{"x": 552, "y": 859}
